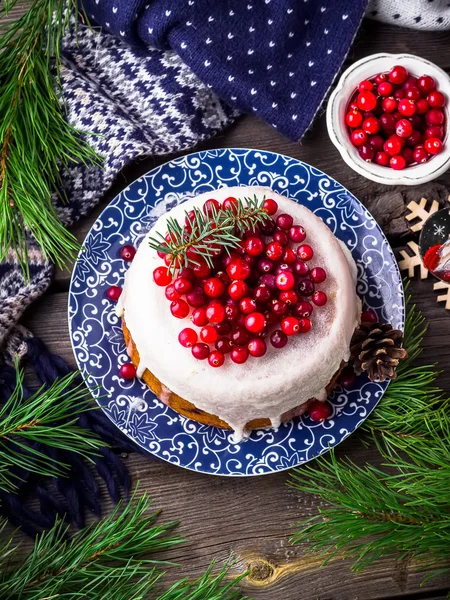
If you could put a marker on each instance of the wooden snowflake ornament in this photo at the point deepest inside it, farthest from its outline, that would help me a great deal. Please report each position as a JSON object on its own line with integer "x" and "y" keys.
{"x": 410, "y": 262}
{"x": 419, "y": 211}
{"x": 445, "y": 297}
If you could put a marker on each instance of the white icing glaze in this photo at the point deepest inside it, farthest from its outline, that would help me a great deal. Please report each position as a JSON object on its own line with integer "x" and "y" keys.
{"x": 265, "y": 387}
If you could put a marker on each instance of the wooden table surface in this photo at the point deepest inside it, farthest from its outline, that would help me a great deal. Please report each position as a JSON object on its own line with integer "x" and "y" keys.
{"x": 253, "y": 517}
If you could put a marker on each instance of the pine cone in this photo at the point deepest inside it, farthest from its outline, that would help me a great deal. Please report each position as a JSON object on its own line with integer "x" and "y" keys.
{"x": 375, "y": 349}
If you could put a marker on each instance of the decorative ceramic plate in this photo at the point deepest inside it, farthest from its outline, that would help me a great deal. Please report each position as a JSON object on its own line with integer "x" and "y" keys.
{"x": 96, "y": 330}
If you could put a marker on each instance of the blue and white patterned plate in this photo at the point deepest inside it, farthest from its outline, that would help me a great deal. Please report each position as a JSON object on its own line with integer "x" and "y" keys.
{"x": 97, "y": 336}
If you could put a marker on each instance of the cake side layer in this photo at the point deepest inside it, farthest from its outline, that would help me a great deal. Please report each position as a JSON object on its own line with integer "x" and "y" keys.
{"x": 270, "y": 386}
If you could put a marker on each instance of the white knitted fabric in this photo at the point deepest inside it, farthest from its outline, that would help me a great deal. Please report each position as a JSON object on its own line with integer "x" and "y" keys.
{"x": 417, "y": 14}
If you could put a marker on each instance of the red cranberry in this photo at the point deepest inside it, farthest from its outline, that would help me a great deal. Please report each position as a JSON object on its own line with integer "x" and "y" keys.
{"x": 239, "y": 354}
{"x": 223, "y": 328}
{"x": 358, "y": 137}
{"x": 201, "y": 269}
{"x": 279, "y": 308}
{"x": 254, "y": 246}
{"x": 265, "y": 265}
{"x": 371, "y": 125}
{"x": 305, "y": 287}
{"x": 408, "y": 155}
{"x": 285, "y": 281}
{"x": 399, "y": 94}
{"x": 231, "y": 313}
{"x": 247, "y": 305}
{"x": 238, "y": 289}
{"x": 318, "y": 275}
{"x": 385, "y": 88}
{"x": 420, "y": 154}
{"x": 366, "y": 152}
{"x": 382, "y": 159}
{"x": 414, "y": 139}
{"x": 417, "y": 122}
{"x": 267, "y": 227}
{"x": 297, "y": 233}
{"x": 434, "y": 117}
{"x": 407, "y": 107}
{"x": 281, "y": 237}
{"x": 162, "y": 276}
{"x": 290, "y": 325}
{"x": 179, "y": 309}
{"x": 387, "y": 121}
{"x": 304, "y": 325}
{"x": 278, "y": 339}
{"x": 224, "y": 345}
{"x": 274, "y": 251}
{"x": 301, "y": 268}
{"x": 303, "y": 309}
{"x": 114, "y": 292}
{"x": 397, "y": 116}
{"x": 389, "y": 105}
{"x": 239, "y": 336}
{"x": 127, "y": 371}
{"x": 285, "y": 221}
{"x": 366, "y": 100}
{"x": 211, "y": 207}
{"x": 380, "y": 78}
{"x": 230, "y": 203}
{"x": 171, "y": 293}
{"x": 282, "y": 268}
{"x": 365, "y": 85}
{"x": 413, "y": 93}
{"x": 368, "y": 316}
{"x": 182, "y": 285}
{"x": 398, "y": 74}
{"x": 319, "y": 298}
{"x": 289, "y": 256}
{"x": 347, "y": 378}
{"x": 216, "y": 358}
{"x": 187, "y": 337}
{"x": 403, "y": 128}
{"x": 305, "y": 252}
{"x": 290, "y": 297}
{"x": 257, "y": 347}
{"x": 269, "y": 281}
{"x": 270, "y": 206}
{"x": 215, "y": 312}
{"x": 199, "y": 317}
{"x": 319, "y": 411}
{"x": 196, "y": 297}
{"x": 353, "y": 118}
{"x": 433, "y": 145}
{"x": 422, "y": 106}
{"x": 376, "y": 141}
{"x": 127, "y": 252}
{"x": 434, "y": 131}
{"x": 436, "y": 99}
{"x": 262, "y": 294}
{"x": 255, "y": 322}
{"x": 208, "y": 334}
{"x": 200, "y": 351}
{"x": 238, "y": 269}
{"x": 393, "y": 145}
{"x": 397, "y": 162}
{"x": 426, "y": 84}
{"x": 271, "y": 318}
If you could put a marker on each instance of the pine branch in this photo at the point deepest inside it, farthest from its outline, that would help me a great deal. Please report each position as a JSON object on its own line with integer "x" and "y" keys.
{"x": 49, "y": 417}
{"x": 402, "y": 509}
{"x": 111, "y": 557}
{"x": 35, "y": 139}
{"x": 204, "y": 234}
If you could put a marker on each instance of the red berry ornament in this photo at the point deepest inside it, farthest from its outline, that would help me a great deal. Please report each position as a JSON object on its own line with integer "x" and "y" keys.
{"x": 187, "y": 337}
{"x": 113, "y": 293}
{"x": 319, "y": 411}
{"x": 127, "y": 252}
{"x": 127, "y": 371}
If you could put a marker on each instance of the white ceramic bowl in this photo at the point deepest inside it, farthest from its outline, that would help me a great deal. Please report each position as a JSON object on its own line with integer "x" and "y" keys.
{"x": 366, "y": 68}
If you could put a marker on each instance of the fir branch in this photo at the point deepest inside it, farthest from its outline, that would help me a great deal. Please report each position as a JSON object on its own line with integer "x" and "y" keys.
{"x": 402, "y": 509}
{"x": 35, "y": 139}
{"x": 204, "y": 234}
{"x": 110, "y": 557}
{"x": 48, "y": 417}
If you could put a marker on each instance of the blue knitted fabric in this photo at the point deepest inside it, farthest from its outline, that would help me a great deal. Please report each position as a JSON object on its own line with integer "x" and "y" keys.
{"x": 274, "y": 58}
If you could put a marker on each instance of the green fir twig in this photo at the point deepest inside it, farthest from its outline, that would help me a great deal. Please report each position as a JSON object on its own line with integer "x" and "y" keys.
{"x": 206, "y": 233}
{"x": 403, "y": 508}
{"x": 49, "y": 416}
{"x": 35, "y": 139}
{"x": 112, "y": 559}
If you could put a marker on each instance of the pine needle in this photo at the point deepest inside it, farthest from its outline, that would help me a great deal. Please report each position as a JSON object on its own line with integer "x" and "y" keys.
{"x": 35, "y": 139}
{"x": 403, "y": 508}
{"x": 49, "y": 417}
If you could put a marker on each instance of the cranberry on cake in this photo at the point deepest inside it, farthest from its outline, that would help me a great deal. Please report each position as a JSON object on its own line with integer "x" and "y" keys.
{"x": 239, "y": 308}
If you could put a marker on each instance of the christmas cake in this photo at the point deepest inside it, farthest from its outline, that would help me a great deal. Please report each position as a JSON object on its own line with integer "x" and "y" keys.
{"x": 239, "y": 307}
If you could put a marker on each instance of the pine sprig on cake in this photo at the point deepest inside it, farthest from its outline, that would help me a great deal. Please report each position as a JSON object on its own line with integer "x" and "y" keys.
{"x": 205, "y": 232}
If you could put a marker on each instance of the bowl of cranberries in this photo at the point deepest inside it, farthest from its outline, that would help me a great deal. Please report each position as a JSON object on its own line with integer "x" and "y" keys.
{"x": 389, "y": 119}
